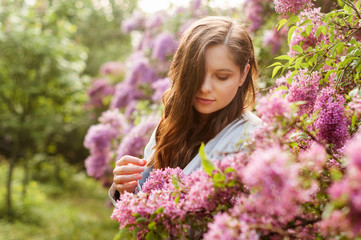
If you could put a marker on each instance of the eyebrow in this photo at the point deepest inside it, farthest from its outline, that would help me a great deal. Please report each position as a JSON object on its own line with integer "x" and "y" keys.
{"x": 224, "y": 70}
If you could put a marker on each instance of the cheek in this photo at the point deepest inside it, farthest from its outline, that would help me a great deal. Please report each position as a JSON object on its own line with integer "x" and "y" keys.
{"x": 229, "y": 92}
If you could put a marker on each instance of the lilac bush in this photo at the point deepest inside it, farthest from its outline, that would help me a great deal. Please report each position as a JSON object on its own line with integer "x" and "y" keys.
{"x": 300, "y": 175}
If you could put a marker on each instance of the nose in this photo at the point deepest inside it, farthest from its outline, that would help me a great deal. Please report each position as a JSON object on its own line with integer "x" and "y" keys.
{"x": 207, "y": 84}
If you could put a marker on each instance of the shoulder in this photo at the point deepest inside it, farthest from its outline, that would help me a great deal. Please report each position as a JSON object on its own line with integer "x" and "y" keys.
{"x": 232, "y": 138}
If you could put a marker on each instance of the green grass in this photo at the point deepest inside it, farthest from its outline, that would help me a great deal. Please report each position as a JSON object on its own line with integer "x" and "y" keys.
{"x": 79, "y": 209}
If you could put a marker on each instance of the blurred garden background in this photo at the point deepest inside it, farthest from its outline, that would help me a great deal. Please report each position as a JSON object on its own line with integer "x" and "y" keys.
{"x": 81, "y": 85}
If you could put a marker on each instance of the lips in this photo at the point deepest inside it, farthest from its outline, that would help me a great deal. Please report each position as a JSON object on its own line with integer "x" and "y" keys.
{"x": 204, "y": 101}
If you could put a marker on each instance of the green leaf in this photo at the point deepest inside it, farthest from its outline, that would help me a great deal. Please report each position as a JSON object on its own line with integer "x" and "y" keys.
{"x": 206, "y": 163}
{"x": 283, "y": 57}
{"x": 281, "y": 23}
{"x": 281, "y": 88}
{"x": 229, "y": 169}
{"x": 340, "y": 47}
{"x": 290, "y": 32}
{"x": 275, "y": 70}
{"x": 275, "y": 64}
{"x": 176, "y": 200}
{"x": 152, "y": 226}
{"x": 159, "y": 210}
{"x": 308, "y": 30}
{"x": 297, "y": 48}
{"x": 141, "y": 220}
{"x": 354, "y": 119}
{"x": 175, "y": 182}
{"x": 293, "y": 19}
{"x": 123, "y": 234}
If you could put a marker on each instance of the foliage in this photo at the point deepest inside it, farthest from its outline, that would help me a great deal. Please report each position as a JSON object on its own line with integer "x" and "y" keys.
{"x": 75, "y": 211}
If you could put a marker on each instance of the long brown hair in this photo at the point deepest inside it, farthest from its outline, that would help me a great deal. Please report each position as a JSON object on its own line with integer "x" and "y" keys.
{"x": 179, "y": 133}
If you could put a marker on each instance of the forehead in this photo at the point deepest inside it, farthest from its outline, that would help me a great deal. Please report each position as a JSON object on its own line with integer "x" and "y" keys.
{"x": 219, "y": 57}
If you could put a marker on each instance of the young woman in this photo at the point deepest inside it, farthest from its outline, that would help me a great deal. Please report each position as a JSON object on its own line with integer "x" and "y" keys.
{"x": 213, "y": 73}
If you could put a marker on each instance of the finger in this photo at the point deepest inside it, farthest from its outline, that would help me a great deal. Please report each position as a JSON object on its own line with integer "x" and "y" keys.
{"x": 127, "y": 169}
{"x": 123, "y": 179}
{"x": 130, "y": 159}
{"x": 129, "y": 187}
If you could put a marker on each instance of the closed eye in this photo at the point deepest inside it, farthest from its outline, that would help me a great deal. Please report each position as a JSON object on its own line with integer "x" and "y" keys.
{"x": 222, "y": 78}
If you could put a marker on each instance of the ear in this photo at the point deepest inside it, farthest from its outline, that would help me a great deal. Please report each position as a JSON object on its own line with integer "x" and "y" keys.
{"x": 244, "y": 74}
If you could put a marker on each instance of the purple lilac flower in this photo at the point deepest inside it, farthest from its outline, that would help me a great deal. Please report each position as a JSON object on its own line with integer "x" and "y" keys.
{"x": 98, "y": 138}
{"x": 160, "y": 86}
{"x": 96, "y": 165}
{"x": 164, "y": 44}
{"x": 291, "y": 6}
{"x": 98, "y": 91}
{"x": 331, "y": 124}
{"x": 141, "y": 73}
{"x": 112, "y": 68}
{"x": 124, "y": 94}
{"x": 254, "y": 14}
{"x": 114, "y": 118}
{"x": 155, "y": 22}
{"x": 136, "y": 139}
{"x": 136, "y": 21}
{"x": 304, "y": 87}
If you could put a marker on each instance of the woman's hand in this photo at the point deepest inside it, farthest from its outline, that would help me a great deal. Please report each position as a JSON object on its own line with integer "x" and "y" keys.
{"x": 127, "y": 171}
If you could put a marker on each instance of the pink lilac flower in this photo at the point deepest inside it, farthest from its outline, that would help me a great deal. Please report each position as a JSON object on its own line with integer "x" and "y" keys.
{"x": 164, "y": 45}
{"x": 291, "y": 6}
{"x": 160, "y": 86}
{"x": 272, "y": 38}
{"x": 99, "y": 89}
{"x": 272, "y": 107}
{"x": 304, "y": 87}
{"x": 227, "y": 227}
{"x": 136, "y": 139}
{"x": 331, "y": 124}
{"x": 275, "y": 179}
{"x": 162, "y": 179}
{"x": 112, "y": 68}
{"x": 355, "y": 106}
{"x": 141, "y": 72}
{"x": 348, "y": 190}
{"x": 313, "y": 158}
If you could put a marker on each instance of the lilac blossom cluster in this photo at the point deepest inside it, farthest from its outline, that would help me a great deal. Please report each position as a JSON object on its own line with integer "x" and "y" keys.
{"x": 99, "y": 90}
{"x": 164, "y": 45}
{"x": 346, "y": 194}
{"x": 291, "y": 6}
{"x": 99, "y": 140}
{"x": 134, "y": 141}
{"x": 311, "y": 40}
{"x": 304, "y": 87}
{"x": 331, "y": 124}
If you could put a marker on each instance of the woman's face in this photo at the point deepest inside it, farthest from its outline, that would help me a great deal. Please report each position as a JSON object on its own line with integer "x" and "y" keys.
{"x": 221, "y": 81}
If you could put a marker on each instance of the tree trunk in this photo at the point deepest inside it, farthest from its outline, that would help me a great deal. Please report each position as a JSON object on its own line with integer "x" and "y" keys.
{"x": 10, "y": 211}
{"x": 25, "y": 177}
